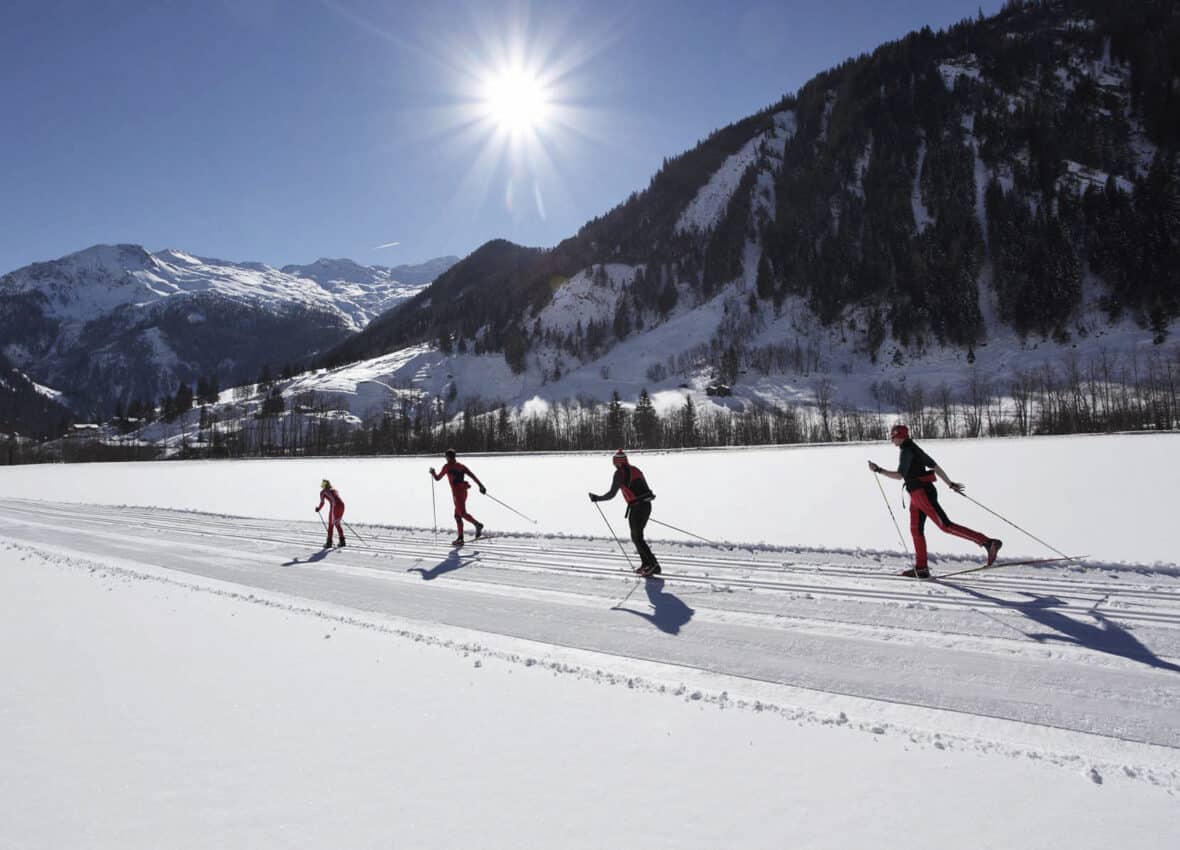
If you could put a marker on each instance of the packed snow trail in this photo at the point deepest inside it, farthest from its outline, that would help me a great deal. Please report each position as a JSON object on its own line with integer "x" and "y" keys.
{"x": 1090, "y": 650}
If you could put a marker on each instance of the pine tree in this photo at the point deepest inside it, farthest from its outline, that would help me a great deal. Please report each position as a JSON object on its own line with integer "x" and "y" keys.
{"x": 184, "y": 398}
{"x": 646, "y": 421}
{"x": 688, "y": 423}
{"x": 616, "y": 418}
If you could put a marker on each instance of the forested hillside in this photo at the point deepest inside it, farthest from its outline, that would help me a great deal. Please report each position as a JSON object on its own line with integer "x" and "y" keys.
{"x": 1024, "y": 156}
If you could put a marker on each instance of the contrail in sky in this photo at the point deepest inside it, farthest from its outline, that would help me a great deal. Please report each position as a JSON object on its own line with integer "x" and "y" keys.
{"x": 386, "y": 245}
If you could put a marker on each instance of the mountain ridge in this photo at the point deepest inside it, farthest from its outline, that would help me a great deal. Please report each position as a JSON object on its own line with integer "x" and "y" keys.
{"x": 116, "y": 323}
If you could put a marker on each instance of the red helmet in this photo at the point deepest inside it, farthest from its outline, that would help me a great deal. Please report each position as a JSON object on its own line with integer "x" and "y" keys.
{"x": 899, "y": 430}
{"x": 620, "y": 459}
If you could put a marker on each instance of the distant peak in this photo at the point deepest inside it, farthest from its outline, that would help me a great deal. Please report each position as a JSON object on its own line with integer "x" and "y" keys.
{"x": 121, "y": 254}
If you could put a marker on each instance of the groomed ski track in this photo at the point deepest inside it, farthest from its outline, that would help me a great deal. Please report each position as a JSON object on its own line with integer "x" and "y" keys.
{"x": 1091, "y": 649}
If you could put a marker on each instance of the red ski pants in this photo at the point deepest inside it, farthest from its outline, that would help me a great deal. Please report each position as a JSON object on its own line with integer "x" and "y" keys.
{"x": 334, "y": 518}
{"x": 924, "y": 503}
{"x": 459, "y": 494}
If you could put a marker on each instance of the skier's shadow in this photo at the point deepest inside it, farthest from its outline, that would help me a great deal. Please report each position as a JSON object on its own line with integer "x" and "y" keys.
{"x": 311, "y": 559}
{"x": 669, "y": 613}
{"x": 452, "y": 562}
{"x": 1104, "y": 636}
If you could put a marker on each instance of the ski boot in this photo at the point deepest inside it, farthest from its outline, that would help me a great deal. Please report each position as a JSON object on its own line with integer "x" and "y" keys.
{"x": 648, "y": 570}
{"x": 458, "y": 541}
{"x": 993, "y": 546}
{"x": 478, "y": 530}
{"x": 916, "y": 572}
{"x": 328, "y": 543}
{"x": 340, "y": 545}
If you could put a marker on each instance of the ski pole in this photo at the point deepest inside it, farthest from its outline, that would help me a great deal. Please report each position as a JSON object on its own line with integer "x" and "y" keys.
{"x": 612, "y": 534}
{"x": 877, "y": 478}
{"x": 1011, "y": 523}
{"x": 353, "y": 531}
{"x": 321, "y": 516}
{"x": 690, "y": 534}
{"x": 433, "y": 508}
{"x": 514, "y": 510}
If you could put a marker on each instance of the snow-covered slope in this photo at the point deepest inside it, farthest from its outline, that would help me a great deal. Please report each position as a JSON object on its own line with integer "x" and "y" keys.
{"x": 365, "y": 292}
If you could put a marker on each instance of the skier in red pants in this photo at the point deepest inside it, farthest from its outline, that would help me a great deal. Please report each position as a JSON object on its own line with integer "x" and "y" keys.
{"x": 918, "y": 470}
{"x": 455, "y": 472}
{"x": 336, "y": 514}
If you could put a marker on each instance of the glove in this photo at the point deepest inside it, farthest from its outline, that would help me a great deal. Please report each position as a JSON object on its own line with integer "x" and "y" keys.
{"x": 874, "y": 467}
{"x": 483, "y": 490}
{"x": 432, "y": 470}
{"x": 593, "y": 498}
{"x": 317, "y": 510}
{"x": 958, "y": 488}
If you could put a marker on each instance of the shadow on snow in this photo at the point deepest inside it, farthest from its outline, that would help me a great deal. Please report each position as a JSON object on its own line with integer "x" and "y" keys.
{"x": 669, "y": 613}
{"x": 1101, "y": 636}
{"x": 318, "y": 556}
{"x": 452, "y": 562}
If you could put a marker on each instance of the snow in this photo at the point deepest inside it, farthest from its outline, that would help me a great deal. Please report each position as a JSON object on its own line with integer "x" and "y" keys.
{"x": 98, "y": 280}
{"x": 581, "y": 299}
{"x": 922, "y": 216}
{"x": 1081, "y": 177}
{"x": 963, "y": 66}
{"x": 705, "y": 210}
{"x": 48, "y": 392}
{"x": 195, "y": 671}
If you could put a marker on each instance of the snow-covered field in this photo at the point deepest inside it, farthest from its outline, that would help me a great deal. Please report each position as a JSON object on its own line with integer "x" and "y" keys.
{"x": 184, "y": 667}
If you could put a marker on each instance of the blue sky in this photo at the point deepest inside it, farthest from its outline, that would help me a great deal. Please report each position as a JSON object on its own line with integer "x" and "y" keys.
{"x": 286, "y": 131}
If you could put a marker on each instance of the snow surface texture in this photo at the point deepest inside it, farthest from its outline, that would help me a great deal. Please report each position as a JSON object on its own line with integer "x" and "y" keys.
{"x": 187, "y": 678}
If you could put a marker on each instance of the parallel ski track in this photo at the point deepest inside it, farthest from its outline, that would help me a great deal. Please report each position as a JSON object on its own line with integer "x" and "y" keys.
{"x": 1122, "y": 709}
{"x": 703, "y": 567}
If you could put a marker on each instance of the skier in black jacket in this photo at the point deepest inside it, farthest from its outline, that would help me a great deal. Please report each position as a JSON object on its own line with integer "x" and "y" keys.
{"x": 918, "y": 470}
{"x": 638, "y": 496}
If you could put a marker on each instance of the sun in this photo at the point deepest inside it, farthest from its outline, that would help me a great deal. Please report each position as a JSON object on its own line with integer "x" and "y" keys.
{"x": 516, "y": 101}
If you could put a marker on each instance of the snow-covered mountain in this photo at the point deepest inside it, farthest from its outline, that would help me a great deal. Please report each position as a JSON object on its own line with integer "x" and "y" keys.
{"x": 956, "y": 208}
{"x": 116, "y": 322}
{"x": 365, "y": 292}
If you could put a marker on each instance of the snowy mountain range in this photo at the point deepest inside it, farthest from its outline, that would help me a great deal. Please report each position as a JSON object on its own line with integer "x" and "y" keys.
{"x": 114, "y": 323}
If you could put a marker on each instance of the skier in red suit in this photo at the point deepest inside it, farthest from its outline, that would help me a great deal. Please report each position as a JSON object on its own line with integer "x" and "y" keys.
{"x": 455, "y": 472}
{"x": 918, "y": 470}
{"x": 329, "y": 494}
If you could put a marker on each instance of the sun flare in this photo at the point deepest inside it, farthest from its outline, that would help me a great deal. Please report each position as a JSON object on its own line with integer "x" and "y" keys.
{"x": 516, "y": 101}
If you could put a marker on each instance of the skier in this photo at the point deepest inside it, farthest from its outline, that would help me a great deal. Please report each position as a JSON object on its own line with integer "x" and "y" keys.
{"x": 638, "y": 496}
{"x": 455, "y": 472}
{"x": 336, "y": 514}
{"x": 918, "y": 470}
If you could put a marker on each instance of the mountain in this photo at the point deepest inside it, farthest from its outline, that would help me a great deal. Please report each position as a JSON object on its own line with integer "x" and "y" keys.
{"x": 1010, "y": 180}
{"x": 26, "y": 408}
{"x": 115, "y": 323}
{"x": 366, "y": 292}
{"x": 326, "y": 272}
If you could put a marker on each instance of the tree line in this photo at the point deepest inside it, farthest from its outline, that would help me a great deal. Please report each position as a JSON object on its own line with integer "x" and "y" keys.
{"x": 1105, "y": 393}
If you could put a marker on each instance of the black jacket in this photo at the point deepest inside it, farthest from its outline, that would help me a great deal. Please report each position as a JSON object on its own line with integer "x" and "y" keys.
{"x": 916, "y": 467}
